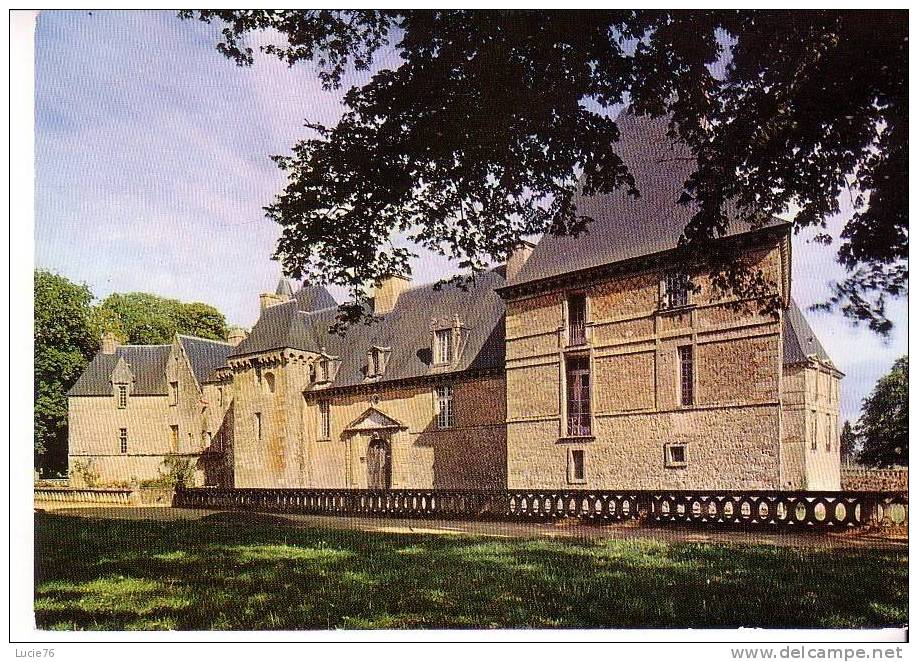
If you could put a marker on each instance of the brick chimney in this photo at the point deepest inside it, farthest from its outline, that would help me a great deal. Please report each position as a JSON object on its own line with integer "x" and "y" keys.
{"x": 386, "y": 294}
{"x": 235, "y": 336}
{"x": 109, "y": 343}
{"x": 518, "y": 257}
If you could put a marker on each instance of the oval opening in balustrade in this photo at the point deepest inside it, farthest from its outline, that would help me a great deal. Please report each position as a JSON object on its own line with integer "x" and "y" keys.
{"x": 896, "y": 512}
{"x": 745, "y": 509}
{"x": 712, "y": 509}
{"x": 696, "y": 508}
{"x": 764, "y": 510}
{"x": 800, "y": 511}
{"x": 626, "y": 506}
{"x": 819, "y": 511}
{"x": 597, "y": 506}
{"x": 664, "y": 507}
{"x": 841, "y": 511}
{"x": 728, "y": 509}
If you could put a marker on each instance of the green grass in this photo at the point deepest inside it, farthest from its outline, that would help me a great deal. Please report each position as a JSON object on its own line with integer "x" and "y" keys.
{"x": 259, "y": 573}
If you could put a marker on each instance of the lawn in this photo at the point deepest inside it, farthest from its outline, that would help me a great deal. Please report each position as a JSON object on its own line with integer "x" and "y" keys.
{"x": 258, "y": 573}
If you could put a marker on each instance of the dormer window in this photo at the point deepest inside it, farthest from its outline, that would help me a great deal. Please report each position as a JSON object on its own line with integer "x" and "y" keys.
{"x": 326, "y": 368}
{"x": 676, "y": 289}
{"x": 443, "y": 346}
{"x": 576, "y": 319}
{"x": 377, "y": 359}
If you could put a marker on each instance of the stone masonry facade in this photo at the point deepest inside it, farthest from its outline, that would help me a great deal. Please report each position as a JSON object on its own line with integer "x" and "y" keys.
{"x": 598, "y": 362}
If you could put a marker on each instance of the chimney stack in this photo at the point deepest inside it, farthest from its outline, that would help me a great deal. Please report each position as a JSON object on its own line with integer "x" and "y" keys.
{"x": 235, "y": 336}
{"x": 386, "y": 294}
{"x": 518, "y": 257}
{"x": 283, "y": 293}
{"x": 109, "y": 343}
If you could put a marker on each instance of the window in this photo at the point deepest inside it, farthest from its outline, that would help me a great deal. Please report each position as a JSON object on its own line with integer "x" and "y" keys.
{"x": 258, "y": 426}
{"x": 322, "y": 370}
{"x": 444, "y": 402}
{"x": 207, "y": 439}
{"x": 443, "y": 346}
{"x": 578, "y": 396}
{"x": 173, "y": 393}
{"x": 312, "y": 372}
{"x": 676, "y": 289}
{"x": 828, "y": 432}
{"x": 813, "y": 422}
{"x": 220, "y": 394}
{"x": 576, "y": 466}
{"x": 122, "y": 438}
{"x": 269, "y": 381}
{"x": 122, "y": 396}
{"x": 686, "y": 376}
{"x": 576, "y": 319}
{"x": 674, "y": 455}
{"x": 174, "y": 437}
{"x": 373, "y": 367}
{"x": 324, "y": 419}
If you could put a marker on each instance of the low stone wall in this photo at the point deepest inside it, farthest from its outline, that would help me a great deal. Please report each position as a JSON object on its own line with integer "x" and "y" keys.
{"x": 866, "y": 479}
{"x": 117, "y": 496}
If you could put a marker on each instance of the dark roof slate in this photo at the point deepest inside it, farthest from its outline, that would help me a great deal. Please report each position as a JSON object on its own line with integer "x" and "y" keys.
{"x": 799, "y": 339}
{"x": 405, "y": 330}
{"x": 625, "y": 226}
{"x": 314, "y": 297}
{"x": 147, "y": 363}
{"x": 204, "y": 355}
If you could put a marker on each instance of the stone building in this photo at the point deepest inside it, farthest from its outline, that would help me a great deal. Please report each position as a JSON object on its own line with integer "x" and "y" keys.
{"x": 140, "y": 411}
{"x": 583, "y": 362}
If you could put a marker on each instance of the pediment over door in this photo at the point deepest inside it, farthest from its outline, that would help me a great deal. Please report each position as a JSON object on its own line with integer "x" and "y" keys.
{"x": 373, "y": 419}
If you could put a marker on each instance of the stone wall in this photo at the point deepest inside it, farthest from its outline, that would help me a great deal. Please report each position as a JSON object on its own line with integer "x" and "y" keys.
{"x": 731, "y": 432}
{"x": 874, "y": 480}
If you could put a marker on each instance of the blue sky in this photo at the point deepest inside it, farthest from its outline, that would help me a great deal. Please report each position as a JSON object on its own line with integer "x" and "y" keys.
{"x": 152, "y": 170}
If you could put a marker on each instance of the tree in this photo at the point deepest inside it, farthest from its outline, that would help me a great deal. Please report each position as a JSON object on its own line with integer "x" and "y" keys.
{"x": 848, "y": 443}
{"x": 64, "y": 342}
{"x": 146, "y": 319}
{"x": 883, "y": 427}
{"x": 492, "y": 121}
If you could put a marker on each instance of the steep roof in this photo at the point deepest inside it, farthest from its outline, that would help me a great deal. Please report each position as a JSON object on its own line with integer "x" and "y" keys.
{"x": 147, "y": 363}
{"x": 314, "y": 297}
{"x": 624, "y": 226}
{"x": 405, "y": 330}
{"x": 283, "y": 288}
{"x": 204, "y": 355}
{"x": 799, "y": 339}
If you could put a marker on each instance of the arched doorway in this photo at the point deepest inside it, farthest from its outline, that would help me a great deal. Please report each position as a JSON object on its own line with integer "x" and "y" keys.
{"x": 379, "y": 463}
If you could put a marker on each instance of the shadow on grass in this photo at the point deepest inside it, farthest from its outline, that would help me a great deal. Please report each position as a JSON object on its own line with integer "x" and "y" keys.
{"x": 258, "y": 572}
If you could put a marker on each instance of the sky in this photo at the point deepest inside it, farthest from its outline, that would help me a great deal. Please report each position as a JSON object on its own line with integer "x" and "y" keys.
{"x": 152, "y": 169}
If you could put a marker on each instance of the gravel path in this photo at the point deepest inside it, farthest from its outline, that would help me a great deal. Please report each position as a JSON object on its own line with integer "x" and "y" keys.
{"x": 556, "y": 529}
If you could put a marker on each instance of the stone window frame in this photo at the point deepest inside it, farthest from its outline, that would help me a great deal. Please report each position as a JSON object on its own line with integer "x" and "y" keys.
{"x": 564, "y": 393}
{"x": 324, "y": 420}
{"x": 377, "y": 361}
{"x": 174, "y": 438}
{"x": 445, "y": 417}
{"x": 123, "y": 440}
{"x": 569, "y": 340}
{"x": 443, "y": 356}
{"x": 173, "y": 393}
{"x": 671, "y": 462}
{"x": 814, "y": 438}
{"x": 828, "y": 432}
{"x": 683, "y": 296}
{"x": 572, "y": 477}
{"x": 121, "y": 395}
{"x": 220, "y": 396}
{"x": 692, "y": 376}
{"x": 259, "y": 424}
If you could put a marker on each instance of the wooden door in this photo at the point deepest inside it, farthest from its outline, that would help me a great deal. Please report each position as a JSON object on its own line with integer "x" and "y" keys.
{"x": 379, "y": 464}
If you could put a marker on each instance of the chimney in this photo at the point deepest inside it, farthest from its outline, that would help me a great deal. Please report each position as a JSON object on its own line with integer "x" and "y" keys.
{"x": 283, "y": 293}
{"x": 386, "y": 294}
{"x": 518, "y": 257}
{"x": 109, "y": 343}
{"x": 235, "y": 336}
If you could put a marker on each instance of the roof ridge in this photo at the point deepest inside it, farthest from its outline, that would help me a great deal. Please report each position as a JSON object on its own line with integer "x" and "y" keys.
{"x": 185, "y": 335}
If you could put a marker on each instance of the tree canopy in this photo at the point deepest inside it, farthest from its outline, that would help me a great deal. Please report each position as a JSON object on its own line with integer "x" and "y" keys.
{"x": 491, "y": 121}
{"x": 848, "y": 443}
{"x": 883, "y": 427}
{"x": 139, "y": 318}
{"x": 65, "y": 340}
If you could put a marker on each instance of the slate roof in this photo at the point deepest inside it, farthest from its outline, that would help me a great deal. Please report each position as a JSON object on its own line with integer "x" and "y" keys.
{"x": 405, "y": 329}
{"x": 147, "y": 362}
{"x": 623, "y": 226}
{"x": 799, "y": 339}
{"x": 148, "y": 365}
{"x": 312, "y": 298}
{"x": 204, "y": 355}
